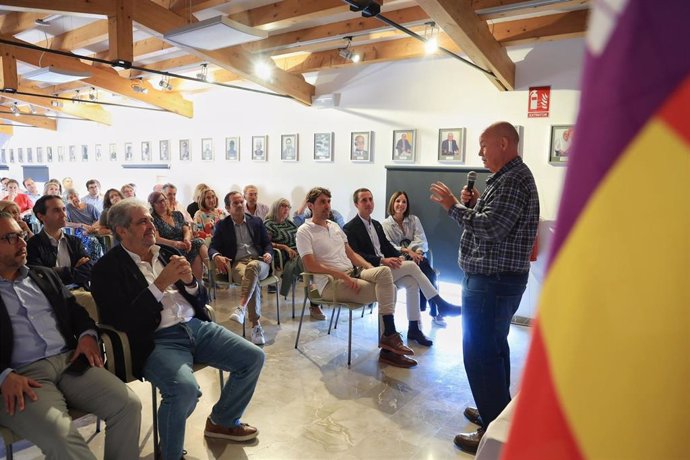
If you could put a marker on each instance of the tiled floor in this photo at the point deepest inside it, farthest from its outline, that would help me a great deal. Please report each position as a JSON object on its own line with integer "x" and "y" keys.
{"x": 309, "y": 405}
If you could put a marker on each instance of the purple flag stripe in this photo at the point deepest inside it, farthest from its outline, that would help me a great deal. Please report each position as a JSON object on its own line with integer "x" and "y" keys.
{"x": 640, "y": 67}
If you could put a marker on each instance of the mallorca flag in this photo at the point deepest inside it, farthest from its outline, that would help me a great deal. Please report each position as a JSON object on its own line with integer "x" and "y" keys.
{"x": 608, "y": 372}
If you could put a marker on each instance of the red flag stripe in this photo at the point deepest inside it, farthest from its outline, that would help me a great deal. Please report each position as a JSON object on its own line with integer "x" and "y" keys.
{"x": 676, "y": 111}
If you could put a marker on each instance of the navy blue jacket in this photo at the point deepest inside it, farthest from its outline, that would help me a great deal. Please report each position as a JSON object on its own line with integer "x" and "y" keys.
{"x": 224, "y": 241}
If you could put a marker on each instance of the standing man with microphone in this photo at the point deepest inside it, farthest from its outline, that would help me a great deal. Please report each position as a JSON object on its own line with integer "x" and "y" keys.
{"x": 499, "y": 228}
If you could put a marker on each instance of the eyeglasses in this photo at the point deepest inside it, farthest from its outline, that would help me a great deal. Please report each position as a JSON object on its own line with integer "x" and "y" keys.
{"x": 283, "y": 205}
{"x": 162, "y": 200}
{"x": 13, "y": 238}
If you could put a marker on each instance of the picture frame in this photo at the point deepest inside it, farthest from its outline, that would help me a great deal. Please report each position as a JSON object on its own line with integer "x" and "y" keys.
{"x": 185, "y": 150}
{"x": 11, "y": 156}
{"x": 146, "y": 151}
{"x": 404, "y": 145}
{"x": 164, "y": 150}
{"x": 20, "y": 155}
{"x": 84, "y": 152}
{"x": 29, "y": 155}
{"x": 361, "y": 146}
{"x": 232, "y": 148}
{"x": 259, "y": 148}
{"x": 521, "y": 134}
{"x": 97, "y": 151}
{"x": 323, "y": 146}
{"x": 561, "y": 142}
{"x": 129, "y": 154}
{"x": 451, "y": 145}
{"x": 39, "y": 154}
{"x": 207, "y": 149}
{"x": 72, "y": 152}
{"x": 3, "y": 156}
{"x": 112, "y": 152}
{"x": 289, "y": 147}
{"x": 60, "y": 154}
{"x": 49, "y": 154}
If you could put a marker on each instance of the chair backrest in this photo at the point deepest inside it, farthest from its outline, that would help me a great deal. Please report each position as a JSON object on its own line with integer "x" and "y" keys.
{"x": 85, "y": 299}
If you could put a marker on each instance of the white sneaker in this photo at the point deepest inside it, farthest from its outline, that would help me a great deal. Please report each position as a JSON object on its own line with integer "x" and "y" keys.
{"x": 258, "y": 335}
{"x": 238, "y": 315}
{"x": 439, "y": 321}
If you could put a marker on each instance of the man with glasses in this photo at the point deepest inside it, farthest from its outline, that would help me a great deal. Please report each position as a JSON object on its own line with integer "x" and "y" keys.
{"x": 94, "y": 197}
{"x": 50, "y": 359}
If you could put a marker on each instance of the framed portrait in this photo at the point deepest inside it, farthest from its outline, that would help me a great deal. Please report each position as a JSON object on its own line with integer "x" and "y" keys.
{"x": 49, "y": 154}
{"x": 232, "y": 148}
{"x": 404, "y": 142}
{"x": 72, "y": 153}
{"x": 164, "y": 150}
{"x": 39, "y": 154}
{"x": 3, "y": 156}
{"x": 289, "y": 147}
{"x": 20, "y": 155}
{"x": 61, "y": 154}
{"x": 521, "y": 134}
{"x": 129, "y": 153}
{"x": 185, "y": 150}
{"x": 561, "y": 140}
{"x": 323, "y": 146}
{"x": 259, "y": 148}
{"x": 112, "y": 152}
{"x": 84, "y": 152}
{"x": 207, "y": 149}
{"x": 146, "y": 151}
{"x": 11, "y": 156}
{"x": 361, "y": 146}
{"x": 451, "y": 145}
{"x": 98, "y": 152}
{"x": 29, "y": 155}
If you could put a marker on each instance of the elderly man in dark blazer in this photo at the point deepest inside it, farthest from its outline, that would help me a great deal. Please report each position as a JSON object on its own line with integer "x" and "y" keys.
{"x": 53, "y": 248}
{"x": 149, "y": 292}
{"x": 241, "y": 247}
{"x": 367, "y": 238}
{"x": 50, "y": 359}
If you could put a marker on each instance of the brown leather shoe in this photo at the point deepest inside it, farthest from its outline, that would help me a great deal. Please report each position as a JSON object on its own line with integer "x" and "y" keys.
{"x": 395, "y": 344}
{"x": 469, "y": 442}
{"x": 316, "y": 313}
{"x": 396, "y": 360}
{"x": 239, "y": 433}
{"x": 472, "y": 414}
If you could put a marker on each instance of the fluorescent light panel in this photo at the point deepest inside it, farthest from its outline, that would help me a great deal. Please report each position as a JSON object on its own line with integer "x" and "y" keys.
{"x": 215, "y": 33}
{"x": 55, "y": 76}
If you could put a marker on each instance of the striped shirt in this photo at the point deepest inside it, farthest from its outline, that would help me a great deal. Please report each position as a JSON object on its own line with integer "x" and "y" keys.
{"x": 499, "y": 232}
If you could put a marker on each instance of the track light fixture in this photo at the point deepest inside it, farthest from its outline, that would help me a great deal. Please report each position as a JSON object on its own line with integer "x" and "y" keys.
{"x": 203, "y": 73}
{"x": 56, "y": 103}
{"x": 14, "y": 109}
{"x": 93, "y": 94}
{"x": 430, "y": 37}
{"x": 165, "y": 83}
{"x": 77, "y": 97}
{"x": 347, "y": 53}
{"x": 138, "y": 86}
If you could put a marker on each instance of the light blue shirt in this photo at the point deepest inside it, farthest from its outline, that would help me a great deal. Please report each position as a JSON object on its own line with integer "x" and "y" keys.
{"x": 34, "y": 325}
{"x": 96, "y": 202}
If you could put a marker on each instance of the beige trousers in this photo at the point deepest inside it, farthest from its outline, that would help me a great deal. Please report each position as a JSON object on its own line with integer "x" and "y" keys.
{"x": 375, "y": 285}
{"x": 247, "y": 273}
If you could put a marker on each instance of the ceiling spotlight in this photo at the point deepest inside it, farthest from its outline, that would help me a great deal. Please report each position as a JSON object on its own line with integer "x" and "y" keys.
{"x": 165, "y": 83}
{"x": 55, "y": 103}
{"x": 430, "y": 38}
{"x": 77, "y": 97}
{"x": 138, "y": 86}
{"x": 263, "y": 70}
{"x": 93, "y": 94}
{"x": 347, "y": 53}
{"x": 203, "y": 73}
{"x": 14, "y": 109}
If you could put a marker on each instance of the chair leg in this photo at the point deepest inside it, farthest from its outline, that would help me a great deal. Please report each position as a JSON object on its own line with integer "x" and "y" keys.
{"x": 244, "y": 326}
{"x": 277, "y": 305}
{"x": 98, "y": 424}
{"x": 222, "y": 380}
{"x": 293, "y": 299}
{"x": 154, "y": 406}
{"x": 349, "y": 340}
{"x": 330, "y": 324}
{"x": 9, "y": 451}
{"x": 337, "y": 318}
{"x": 364, "y": 308}
{"x": 301, "y": 318}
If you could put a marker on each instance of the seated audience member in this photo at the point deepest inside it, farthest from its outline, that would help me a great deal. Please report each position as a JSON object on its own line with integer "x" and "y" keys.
{"x": 94, "y": 197}
{"x": 50, "y": 359}
{"x": 283, "y": 232}
{"x": 12, "y": 209}
{"x": 111, "y": 197}
{"x": 253, "y": 207}
{"x": 3, "y": 182}
{"x": 52, "y": 187}
{"x": 67, "y": 184}
{"x": 241, "y": 247}
{"x": 172, "y": 230}
{"x": 304, "y": 213}
{"x": 367, "y": 238}
{"x": 31, "y": 190}
{"x": 324, "y": 249}
{"x": 193, "y": 207}
{"x": 149, "y": 292}
{"x": 170, "y": 192}
{"x": 53, "y": 248}
{"x": 208, "y": 213}
{"x": 128, "y": 191}
{"x": 79, "y": 214}
{"x": 406, "y": 234}
{"x": 22, "y": 200}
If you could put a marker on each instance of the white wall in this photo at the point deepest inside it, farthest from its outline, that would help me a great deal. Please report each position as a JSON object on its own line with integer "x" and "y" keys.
{"x": 425, "y": 94}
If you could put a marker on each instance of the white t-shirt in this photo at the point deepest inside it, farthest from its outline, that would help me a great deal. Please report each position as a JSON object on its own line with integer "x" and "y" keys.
{"x": 327, "y": 245}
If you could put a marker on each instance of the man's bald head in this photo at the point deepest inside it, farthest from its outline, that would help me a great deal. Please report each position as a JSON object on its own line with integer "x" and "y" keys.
{"x": 507, "y": 130}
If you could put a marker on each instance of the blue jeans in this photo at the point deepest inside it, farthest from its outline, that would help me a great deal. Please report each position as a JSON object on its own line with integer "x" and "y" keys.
{"x": 169, "y": 367}
{"x": 488, "y": 305}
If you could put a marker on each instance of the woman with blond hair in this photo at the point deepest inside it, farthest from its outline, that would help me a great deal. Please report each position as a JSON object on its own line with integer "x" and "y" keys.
{"x": 193, "y": 207}
{"x": 11, "y": 208}
{"x": 208, "y": 214}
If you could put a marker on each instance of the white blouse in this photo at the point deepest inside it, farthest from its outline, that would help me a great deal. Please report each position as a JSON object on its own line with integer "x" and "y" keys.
{"x": 412, "y": 230}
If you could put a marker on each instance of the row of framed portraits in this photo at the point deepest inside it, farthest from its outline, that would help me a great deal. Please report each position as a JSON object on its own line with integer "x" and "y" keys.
{"x": 451, "y": 149}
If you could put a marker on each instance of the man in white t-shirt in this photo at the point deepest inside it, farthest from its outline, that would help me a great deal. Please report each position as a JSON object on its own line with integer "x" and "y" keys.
{"x": 324, "y": 249}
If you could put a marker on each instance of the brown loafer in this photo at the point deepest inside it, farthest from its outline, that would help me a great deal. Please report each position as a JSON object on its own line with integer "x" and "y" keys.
{"x": 316, "y": 313}
{"x": 395, "y": 344}
{"x": 396, "y": 360}
{"x": 239, "y": 433}
{"x": 469, "y": 442}
{"x": 472, "y": 414}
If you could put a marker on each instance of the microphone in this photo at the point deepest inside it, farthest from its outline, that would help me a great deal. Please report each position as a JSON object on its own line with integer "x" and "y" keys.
{"x": 471, "y": 177}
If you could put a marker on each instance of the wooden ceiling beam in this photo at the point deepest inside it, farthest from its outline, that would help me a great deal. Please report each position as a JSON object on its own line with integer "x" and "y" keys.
{"x": 94, "y": 32}
{"x": 497, "y": 9}
{"x": 15, "y": 23}
{"x": 28, "y": 119}
{"x": 472, "y": 35}
{"x": 95, "y": 7}
{"x": 542, "y": 28}
{"x": 120, "y": 35}
{"x": 8, "y": 78}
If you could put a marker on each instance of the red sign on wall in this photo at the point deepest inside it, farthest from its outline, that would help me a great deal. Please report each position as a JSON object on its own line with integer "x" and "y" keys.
{"x": 539, "y": 102}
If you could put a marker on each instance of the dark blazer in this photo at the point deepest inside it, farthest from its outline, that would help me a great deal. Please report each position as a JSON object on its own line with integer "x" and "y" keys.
{"x": 224, "y": 241}
{"x": 125, "y": 302}
{"x": 72, "y": 319}
{"x": 360, "y": 242}
{"x": 449, "y": 148}
{"x": 41, "y": 252}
